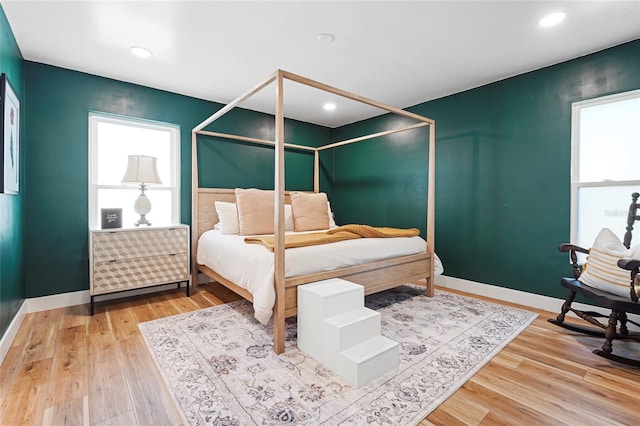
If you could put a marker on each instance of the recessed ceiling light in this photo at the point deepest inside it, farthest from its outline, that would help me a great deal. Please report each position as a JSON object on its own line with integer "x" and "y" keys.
{"x": 329, "y": 106}
{"x": 552, "y": 19}
{"x": 326, "y": 38}
{"x": 140, "y": 52}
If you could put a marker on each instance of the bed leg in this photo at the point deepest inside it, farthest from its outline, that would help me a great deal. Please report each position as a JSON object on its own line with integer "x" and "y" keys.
{"x": 278, "y": 332}
{"x": 430, "y": 290}
{"x": 278, "y": 336}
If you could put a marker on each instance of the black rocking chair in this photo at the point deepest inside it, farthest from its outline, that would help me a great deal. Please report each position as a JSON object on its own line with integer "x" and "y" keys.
{"x": 619, "y": 306}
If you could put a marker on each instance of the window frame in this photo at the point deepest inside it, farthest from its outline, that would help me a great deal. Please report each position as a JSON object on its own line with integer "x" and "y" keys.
{"x": 576, "y": 184}
{"x": 174, "y": 169}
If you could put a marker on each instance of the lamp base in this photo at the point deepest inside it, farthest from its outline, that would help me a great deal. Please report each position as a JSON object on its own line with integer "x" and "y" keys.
{"x": 142, "y": 206}
{"x": 142, "y": 221}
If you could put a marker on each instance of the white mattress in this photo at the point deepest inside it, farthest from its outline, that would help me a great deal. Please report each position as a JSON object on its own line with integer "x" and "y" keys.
{"x": 251, "y": 265}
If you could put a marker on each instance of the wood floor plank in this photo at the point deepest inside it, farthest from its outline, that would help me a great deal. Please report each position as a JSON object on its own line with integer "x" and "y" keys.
{"x": 25, "y": 330}
{"x": 181, "y": 302}
{"x": 153, "y": 403}
{"x": 123, "y": 320}
{"x": 613, "y": 382}
{"x": 159, "y": 307}
{"x": 70, "y": 373}
{"x": 27, "y": 400}
{"x": 464, "y": 409}
{"x": 502, "y": 407}
{"x": 10, "y": 373}
{"x": 507, "y": 359}
{"x": 124, "y": 419}
{"x": 40, "y": 344}
{"x": 556, "y": 401}
{"x": 99, "y": 321}
{"x": 74, "y": 316}
{"x": 590, "y": 393}
{"x": 142, "y": 312}
{"x": 107, "y": 388}
{"x": 442, "y": 417}
{"x": 71, "y": 413}
{"x": 203, "y": 298}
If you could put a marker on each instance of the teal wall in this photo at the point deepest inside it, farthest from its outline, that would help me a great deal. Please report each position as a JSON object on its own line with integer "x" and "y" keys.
{"x": 502, "y": 171}
{"x": 12, "y": 291}
{"x": 56, "y": 204}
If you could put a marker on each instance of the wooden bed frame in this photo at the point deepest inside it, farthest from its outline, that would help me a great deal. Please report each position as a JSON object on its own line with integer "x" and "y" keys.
{"x": 375, "y": 276}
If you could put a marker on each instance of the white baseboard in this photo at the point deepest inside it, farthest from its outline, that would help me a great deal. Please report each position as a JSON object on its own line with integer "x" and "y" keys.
{"x": 55, "y": 301}
{"x": 12, "y": 331}
{"x": 536, "y": 301}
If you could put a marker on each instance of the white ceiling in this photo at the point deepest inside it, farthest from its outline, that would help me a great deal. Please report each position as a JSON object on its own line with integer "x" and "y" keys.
{"x": 399, "y": 53}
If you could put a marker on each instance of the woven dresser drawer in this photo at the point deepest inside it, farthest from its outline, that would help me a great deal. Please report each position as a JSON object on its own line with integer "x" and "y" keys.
{"x": 130, "y": 244}
{"x": 126, "y": 274}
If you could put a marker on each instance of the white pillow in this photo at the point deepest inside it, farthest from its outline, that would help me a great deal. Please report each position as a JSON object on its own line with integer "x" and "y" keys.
{"x": 288, "y": 218}
{"x": 332, "y": 222}
{"x": 602, "y": 270}
{"x": 228, "y": 216}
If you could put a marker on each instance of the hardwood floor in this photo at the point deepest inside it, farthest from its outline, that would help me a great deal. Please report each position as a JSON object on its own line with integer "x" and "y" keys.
{"x": 66, "y": 367}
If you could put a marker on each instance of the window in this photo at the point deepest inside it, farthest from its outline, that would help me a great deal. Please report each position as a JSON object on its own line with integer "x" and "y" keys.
{"x": 604, "y": 165}
{"x": 111, "y": 140}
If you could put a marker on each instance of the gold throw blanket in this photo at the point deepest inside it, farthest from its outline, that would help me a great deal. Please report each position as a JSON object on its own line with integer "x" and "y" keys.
{"x": 341, "y": 233}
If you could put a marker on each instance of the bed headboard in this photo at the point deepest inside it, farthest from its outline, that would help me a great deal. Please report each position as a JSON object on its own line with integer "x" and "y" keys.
{"x": 205, "y": 204}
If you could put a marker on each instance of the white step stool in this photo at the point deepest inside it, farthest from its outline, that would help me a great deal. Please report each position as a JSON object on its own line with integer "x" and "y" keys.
{"x": 337, "y": 330}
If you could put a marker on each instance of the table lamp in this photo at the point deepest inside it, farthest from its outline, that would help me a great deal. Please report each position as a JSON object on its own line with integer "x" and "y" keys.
{"x": 142, "y": 169}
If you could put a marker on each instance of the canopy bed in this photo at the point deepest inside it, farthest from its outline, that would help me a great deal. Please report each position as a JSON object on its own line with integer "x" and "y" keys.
{"x": 374, "y": 272}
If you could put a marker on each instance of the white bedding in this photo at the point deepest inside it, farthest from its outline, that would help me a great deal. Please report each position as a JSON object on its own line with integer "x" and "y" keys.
{"x": 251, "y": 266}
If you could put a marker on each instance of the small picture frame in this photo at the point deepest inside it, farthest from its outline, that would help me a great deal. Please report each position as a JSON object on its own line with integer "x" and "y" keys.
{"x": 111, "y": 218}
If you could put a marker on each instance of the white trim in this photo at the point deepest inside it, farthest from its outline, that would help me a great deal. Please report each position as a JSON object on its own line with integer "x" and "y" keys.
{"x": 622, "y": 96}
{"x": 536, "y": 301}
{"x": 12, "y": 331}
{"x": 55, "y": 301}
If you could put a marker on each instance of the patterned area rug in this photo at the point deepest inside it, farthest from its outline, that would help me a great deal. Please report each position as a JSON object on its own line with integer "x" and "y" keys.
{"x": 221, "y": 369}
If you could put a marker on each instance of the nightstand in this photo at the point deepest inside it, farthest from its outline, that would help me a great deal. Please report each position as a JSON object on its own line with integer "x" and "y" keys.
{"x": 133, "y": 258}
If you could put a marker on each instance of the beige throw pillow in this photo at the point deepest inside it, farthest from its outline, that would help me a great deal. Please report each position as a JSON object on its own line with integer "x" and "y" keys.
{"x": 310, "y": 211}
{"x": 602, "y": 269}
{"x": 255, "y": 211}
{"x": 228, "y": 218}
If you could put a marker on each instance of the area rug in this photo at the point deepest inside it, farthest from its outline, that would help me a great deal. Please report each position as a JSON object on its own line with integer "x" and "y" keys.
{"x": 220, "y": 367}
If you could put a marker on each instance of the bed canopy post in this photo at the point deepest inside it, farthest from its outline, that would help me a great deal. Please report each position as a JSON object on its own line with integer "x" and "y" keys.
{"x": 279, "y": 314}
{"x": 316, "y": 171}
{"x": 194, "y": 208}
{"x": 431, "y": 198}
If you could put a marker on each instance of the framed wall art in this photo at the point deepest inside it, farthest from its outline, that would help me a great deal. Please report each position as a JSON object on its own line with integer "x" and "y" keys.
{"x": 10, "y": 142}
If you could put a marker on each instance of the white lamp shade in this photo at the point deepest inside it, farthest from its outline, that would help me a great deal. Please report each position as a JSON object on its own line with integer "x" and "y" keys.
{"x": 142, "y": 169}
